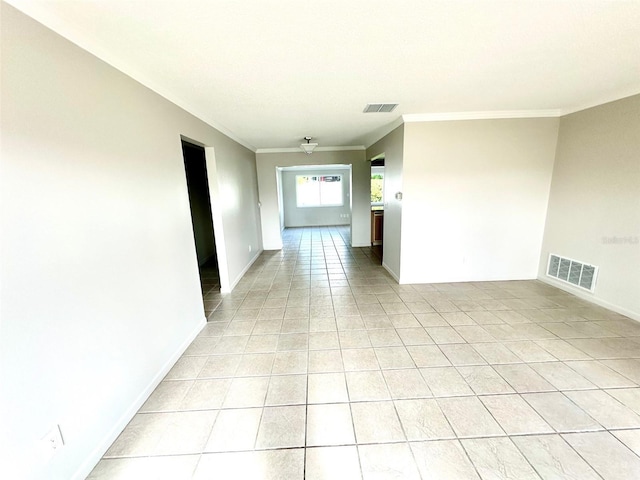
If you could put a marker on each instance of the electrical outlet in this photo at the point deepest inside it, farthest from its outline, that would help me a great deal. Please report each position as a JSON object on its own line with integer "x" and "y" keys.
{"x": 52, "y": 442}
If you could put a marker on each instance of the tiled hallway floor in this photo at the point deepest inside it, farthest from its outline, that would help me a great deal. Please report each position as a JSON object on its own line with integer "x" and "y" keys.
{"x": 320, "y": 366}
{"x": 210, "y": 283}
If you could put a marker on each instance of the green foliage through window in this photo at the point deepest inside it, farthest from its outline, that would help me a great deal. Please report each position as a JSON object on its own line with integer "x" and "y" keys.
{"x": 377, "y": 182}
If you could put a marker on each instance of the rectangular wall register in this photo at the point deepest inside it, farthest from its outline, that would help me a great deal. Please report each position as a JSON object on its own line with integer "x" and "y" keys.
{"x": 570, "y": 271}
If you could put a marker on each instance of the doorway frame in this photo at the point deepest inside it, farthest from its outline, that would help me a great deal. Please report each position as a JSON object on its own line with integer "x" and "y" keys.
{"x": 306, "y": 167}
{"x": 215, "y": 201}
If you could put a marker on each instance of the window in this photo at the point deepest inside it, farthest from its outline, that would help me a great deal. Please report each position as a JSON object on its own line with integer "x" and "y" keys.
{"x": 377, "y": 185}
{"x": 319, "y": 190}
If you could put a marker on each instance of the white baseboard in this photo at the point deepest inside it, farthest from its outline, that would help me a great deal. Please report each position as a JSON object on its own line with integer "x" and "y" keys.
{"x": 391, "y": 272}
{"x": 85, "y": 469}
{"x": 244, "y": 270}
{"x": 590, "y": 297}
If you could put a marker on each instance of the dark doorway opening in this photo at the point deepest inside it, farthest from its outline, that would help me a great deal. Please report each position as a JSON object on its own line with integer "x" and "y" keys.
{"x": 195, "y": 166}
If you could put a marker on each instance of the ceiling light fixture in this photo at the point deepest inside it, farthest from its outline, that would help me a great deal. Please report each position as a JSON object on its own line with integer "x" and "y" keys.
{"x": 308, "y": 147}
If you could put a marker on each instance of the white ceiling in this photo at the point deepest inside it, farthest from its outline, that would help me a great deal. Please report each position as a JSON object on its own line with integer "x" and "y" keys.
{"x": 269, "y": 72}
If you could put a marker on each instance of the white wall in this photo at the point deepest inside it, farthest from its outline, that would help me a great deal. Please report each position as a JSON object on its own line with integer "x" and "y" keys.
{"x": 360, "y": 197}
{"x": 295, "y": 216}
{"x": 475, "y": 198}
{"x": 392, "y": 145}
{"x": 100, "y": 288}
{"x": 594, "y": 205}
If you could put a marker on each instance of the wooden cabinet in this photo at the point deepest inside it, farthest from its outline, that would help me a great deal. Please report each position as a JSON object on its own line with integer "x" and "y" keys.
{"x": 377, "y": 226}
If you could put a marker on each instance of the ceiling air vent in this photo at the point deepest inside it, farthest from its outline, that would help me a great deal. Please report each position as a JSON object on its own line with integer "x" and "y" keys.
{"x": 573, "y": 272}
{"x": 380, "y": 107}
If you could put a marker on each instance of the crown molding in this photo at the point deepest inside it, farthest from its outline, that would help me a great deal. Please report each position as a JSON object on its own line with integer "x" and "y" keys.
{"x": 630, "y": 92}
{"x": 480, "y": 115}
{"x": 318, "y": 149}
{"x": 380, "y": 133}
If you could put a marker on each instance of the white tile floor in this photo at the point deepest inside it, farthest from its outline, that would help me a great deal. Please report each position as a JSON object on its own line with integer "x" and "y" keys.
{"x": 320, "y": 366}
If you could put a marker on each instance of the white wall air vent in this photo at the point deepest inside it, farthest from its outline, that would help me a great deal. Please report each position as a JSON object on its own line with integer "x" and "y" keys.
{"x": 573, "y": 272}
{"x": 380, "y": 107}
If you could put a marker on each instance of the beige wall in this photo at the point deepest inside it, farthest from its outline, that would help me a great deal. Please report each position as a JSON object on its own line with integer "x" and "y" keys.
{"x": 594, "y": 205}
{"x": 100, "y": 289}
{"x": 360, "y": 188}
{"x": 475, "y": 198}
{"x": 392, "y": 146}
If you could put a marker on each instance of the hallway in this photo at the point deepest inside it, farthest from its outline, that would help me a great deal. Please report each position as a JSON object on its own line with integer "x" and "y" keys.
{"x": 320, "y": 366}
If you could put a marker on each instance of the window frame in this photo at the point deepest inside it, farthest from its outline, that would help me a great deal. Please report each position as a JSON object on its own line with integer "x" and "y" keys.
{"x": 319, "y": 182}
